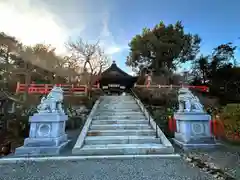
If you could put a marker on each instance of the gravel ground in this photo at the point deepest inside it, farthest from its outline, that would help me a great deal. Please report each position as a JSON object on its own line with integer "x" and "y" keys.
{"x": 226, "y": 158}
{"x": 128, "y": 169}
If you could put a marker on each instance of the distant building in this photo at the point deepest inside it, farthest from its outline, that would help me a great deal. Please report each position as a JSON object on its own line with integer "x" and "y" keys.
{"x": 115, "y": 80}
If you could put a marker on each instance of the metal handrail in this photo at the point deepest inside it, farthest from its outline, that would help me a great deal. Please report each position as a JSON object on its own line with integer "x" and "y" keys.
{"x": 145, "y": 109}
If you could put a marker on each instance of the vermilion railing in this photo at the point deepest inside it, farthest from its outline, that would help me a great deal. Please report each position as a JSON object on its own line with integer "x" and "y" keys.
{"x": 200, "y": 88}
{"x": 46, "y": 88}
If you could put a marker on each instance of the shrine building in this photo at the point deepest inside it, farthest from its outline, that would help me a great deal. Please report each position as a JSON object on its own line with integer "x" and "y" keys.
{"x": 115, "y": 80}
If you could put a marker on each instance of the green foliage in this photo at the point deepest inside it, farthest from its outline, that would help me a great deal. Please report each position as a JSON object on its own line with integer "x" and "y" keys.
{"x": 158, "y": 97}
{"x": 161, "y": 115}
{"x": 208, "y": 66}
{"x": 162, "y": 47}
{"x": 161, "y": 103}
{"x": 224, "y": 53}
{"x": 216, "y": 70}
{"x": 230, "y": 116}
{"x": 201, "y": 67}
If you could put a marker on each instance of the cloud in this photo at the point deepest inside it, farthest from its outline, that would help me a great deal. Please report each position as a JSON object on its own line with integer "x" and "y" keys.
{"x": 51, "y": 22}
{"x": 107, "y": 40}
{"x": 32, "y": 23}
{"x": 113, "y": 50}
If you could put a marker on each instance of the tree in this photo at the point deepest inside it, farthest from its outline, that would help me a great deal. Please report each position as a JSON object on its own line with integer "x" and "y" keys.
{"x": 162, "y": 48}
{"x": 224, "y": 52}
{"x": 207, "y": 67}
{"x": 44, "y": 56}
{"x": 22, "y": 63}
{"x": 201, "y": 68}
{"x": 90, "y": 56}
{"x": 8, "y": 48}
{"x": 221, "y": 58}
{"x": 218, "y": 72}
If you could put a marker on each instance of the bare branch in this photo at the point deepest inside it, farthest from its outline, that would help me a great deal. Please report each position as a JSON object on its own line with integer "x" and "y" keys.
{"x": 90, "y": 56}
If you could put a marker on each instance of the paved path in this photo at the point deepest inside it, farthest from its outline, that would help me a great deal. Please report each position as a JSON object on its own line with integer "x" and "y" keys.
{"x": 128, "y": 169}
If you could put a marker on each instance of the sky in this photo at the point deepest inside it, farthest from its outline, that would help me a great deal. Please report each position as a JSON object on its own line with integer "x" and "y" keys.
{"x": 115, "y": 22}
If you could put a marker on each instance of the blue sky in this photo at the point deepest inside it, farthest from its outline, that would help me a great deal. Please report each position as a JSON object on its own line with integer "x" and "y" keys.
{"x": 115, "y": 22}
{"x": 216, "y": 21}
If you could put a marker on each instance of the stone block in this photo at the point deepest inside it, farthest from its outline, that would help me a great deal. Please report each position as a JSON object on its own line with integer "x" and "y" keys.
{"x": 47, "y": 135}
{"x": 47, "y": 127}
{"x": 193, "y": 130}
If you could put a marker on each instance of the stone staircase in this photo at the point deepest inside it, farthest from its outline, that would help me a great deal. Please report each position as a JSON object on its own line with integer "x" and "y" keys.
{"x": 118, "y": 126}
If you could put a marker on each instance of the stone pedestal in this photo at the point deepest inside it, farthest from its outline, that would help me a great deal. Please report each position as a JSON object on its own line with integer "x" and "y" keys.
{"x": 193, "y": 130}
{"x": 47, "y": 135}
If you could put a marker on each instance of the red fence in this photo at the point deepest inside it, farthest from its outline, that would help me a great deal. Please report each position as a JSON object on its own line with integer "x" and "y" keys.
{"x": 70, "y": 88}
{"x": 46, "y": 88}
{"x": 200, "y": 88}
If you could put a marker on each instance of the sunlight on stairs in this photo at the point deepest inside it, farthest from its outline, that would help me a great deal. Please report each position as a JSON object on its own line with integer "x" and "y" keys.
{"x": 119, "y": 127}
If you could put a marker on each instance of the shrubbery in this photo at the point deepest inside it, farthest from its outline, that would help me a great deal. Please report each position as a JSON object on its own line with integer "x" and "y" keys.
{"x": 161, "y": 103}
{"x": 158, "y": 97}
{"x": 230, "y": 115}
{"x": 161, "y": 115}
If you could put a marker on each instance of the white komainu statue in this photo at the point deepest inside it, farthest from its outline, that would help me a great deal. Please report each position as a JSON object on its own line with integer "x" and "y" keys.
{"x": 53, "y": 102}
{"x": 188, "y": 102}
{"x": 197, "y": 106}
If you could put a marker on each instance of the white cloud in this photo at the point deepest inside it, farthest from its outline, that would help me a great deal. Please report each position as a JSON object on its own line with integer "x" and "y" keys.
{"x": 52, "y": 22}
{"x": 32, "y": 23}
{"x": 132, "y": 73}
{"x": 107, "y": 40}
{"x": 112, "y": 50}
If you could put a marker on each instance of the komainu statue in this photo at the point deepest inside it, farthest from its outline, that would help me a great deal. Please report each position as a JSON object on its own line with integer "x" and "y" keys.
{"x": 188, "y": 102}
{"x": 52, "y": 103}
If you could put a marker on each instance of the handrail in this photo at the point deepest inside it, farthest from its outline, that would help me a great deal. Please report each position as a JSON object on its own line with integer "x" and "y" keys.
{"x": 149, "y": 117}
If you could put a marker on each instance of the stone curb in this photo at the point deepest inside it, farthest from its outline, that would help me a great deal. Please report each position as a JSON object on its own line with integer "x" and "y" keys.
{"x": 74, "y": 158}
{"x": 85, "y": 128}
{"x": 161, "y": 135}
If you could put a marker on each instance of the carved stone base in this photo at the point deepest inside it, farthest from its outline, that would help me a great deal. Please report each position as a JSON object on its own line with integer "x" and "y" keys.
{"x": 34, "y": 142}
{"x": 47, "y": 135}
{"x": 204, "y": 144}
{"x": 193, "y": 130}
{"x": 41, "y": 150}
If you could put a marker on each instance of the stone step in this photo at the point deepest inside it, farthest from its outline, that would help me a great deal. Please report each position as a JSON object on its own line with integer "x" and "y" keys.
{"x": 122, "y": 149}
{"x": 105, "y": 117}
{"x": 119, "y": 101}
{"x": 117, "y": 97}
{"x": 120, "y": 126}
{"x": 121, "y": 140}
{"x": 121, "y": 121}
{"x": 121, "y": 132}
{"x": 119, "y": 109}
{"x": 118, "y": 106}
{"x": 127, "y": 100}
{"x": 104, "y": 113}
{"x": 122, "y": 108}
